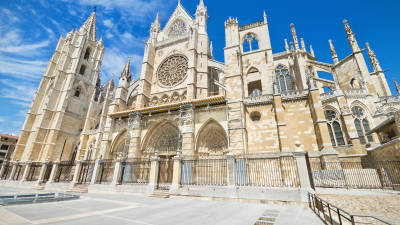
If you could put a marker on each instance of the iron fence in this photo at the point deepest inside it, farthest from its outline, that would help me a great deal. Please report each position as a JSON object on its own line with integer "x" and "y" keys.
{"x": 333, "y": 215}
{"x": 204, "y": 172}
{"x": 86, "y": 172}
{"x": 19, "y": 171}
{"x": 363, "y": 174}
{"x": 135, "y": 171}
{"x": 7, "y": 170}
{"x": 34, "y": 171}
{"x": 107, "y": 171}
{"x": 47, "y": 173}
{"x": 65, "y": 171}
{"x": 267, "y": 172}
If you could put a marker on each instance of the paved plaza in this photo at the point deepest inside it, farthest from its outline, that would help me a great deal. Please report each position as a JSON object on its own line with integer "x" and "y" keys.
{"x": 121, "y": 209}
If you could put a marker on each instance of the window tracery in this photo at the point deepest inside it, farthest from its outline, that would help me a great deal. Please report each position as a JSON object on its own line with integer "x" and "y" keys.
{"x": 173, "y": 70}
{"x": 178, "y": 28}
{"x": 334, "y": 128}
{"x": 212, "y": 140}
{"x": 283, "y": 78}
{"x": 362, "y": 124}
{"x": 250, "y": 43}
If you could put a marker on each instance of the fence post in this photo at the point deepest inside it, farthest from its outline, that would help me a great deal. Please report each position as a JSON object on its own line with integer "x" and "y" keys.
{"x": 77, "y": 173}
{"x": 96, "y": 171}
{"x": 26, "y": 171}
{"x": 153, "y": 179}
{"x": 230, "y": 170}
{"x": 117, "y": 171}
{"x": 42, "y": 172}
{"x": 176, "y": 176}
{"x": 3, "y": 168}
{"x": 13, "y": 169}
{"x": 53, "y": 173}
{"x": 304, "y": 175}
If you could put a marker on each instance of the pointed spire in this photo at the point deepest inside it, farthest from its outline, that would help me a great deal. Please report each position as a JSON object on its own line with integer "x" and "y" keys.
{"x": 303, "y": 45}
{"x": 333, "y": 53}
{"x": 156, "y": 26}
{"x": 312, "y": 51}
{"x": 294, "y": 35}
{"x": 372, "y": 58}
{"x": 127, "y": 70}
{"x": 211, "y": 49}
{"x": 265, "y": 17}
{"x": 351, "y": 37}
{"x": 397, "y": 86}
{"x": 201, "y": 4}
{"x": 291, "y": 46}
{"x": 287, "y": 46}
{"x": 90, "y": 26}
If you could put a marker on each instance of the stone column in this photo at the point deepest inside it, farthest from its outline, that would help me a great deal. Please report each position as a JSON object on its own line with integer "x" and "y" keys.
{"x": 153, "y": 179}
{"x": 186, "y": 129}
{"x": 13, "y": 169}
{"x": 42, "y": 172}
{"x": 117, "y": 171}
{"x": 3, "y": 168}
{"x": 302, "y": 168}
{"x": 77, "y": 173}
{"x": 176, "y": 177}
{"x": 134, "y": 124}
{"x": 27, "y": 169}
{"x": 96, "y": 171}
{"x": 230, "y": 170}
{"x": 53, "y": 173}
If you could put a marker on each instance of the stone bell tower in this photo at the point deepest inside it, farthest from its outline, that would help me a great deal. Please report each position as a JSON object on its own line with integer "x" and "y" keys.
{"x": 56, "y": 116}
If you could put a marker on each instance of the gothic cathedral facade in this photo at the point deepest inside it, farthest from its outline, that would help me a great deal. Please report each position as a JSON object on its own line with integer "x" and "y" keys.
{"x": 186, "y": 103}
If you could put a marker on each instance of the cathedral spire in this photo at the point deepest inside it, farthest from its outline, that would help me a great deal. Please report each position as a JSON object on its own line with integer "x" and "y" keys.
{"x": 265, "y": 17}
{"x": 201, "y": 17}
{"x": 372, "y": 58}
{"x": 294, "y": 35}
{"x": 351, "y": 37}
{"x": 397, "y": 86}
{"x": 90, "y": 26}
{"x": 211, "y": 49}
{"x": 303, "y": 45}
{"x": 287, "y": 46}
{"x": 127, "y": 71}
{"x": 312, "y": 51}
{"x": 333, "y": 53}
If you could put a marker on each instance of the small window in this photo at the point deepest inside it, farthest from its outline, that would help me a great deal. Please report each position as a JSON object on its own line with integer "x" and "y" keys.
{"x": 87, "y": 54}
{"x": 82, "y": 70}
{"x": 255, "y": 116}
{"x": 4, "y": 147}
{"x": 77, "y": 92}
{"x": 250, "y": 43}
{"x": 254, "y": 88}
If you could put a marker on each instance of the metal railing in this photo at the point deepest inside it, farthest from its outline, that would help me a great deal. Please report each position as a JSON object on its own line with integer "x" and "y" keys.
{"x": 65, "y": 171}
{"x": 135, "y": 171}
{"x": 333, "y": 215}
{"x": 34, "y": 171}
{"x": 356, "y": 174}
{"x": 107, "y": 171}
{"x": 204, "y": 172}
{"x": 267, "y": 172}
{"x": 7, "y": 170}
{"x": 19, "y": 171}
{"x": 86, "y": 172}
{"x": 47, "y": 173}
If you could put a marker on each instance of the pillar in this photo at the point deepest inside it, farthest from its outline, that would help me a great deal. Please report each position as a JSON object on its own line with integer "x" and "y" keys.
{"x": 96, "y": 171}
{"x": 153, "y": 179}
{"x": 230, "y": 170}
{"x": 3, "y": 168}
{"x": 53, "y": 173}
{"x": 26, "y": 171}
{"x": 176, "y": 177}
{"x": 42, "y": 172}
{"x": 117, "y": 171}
{"x": 134, "y": 123}
{"x": 14, "y": 168}
{"x": 77, "y": 173}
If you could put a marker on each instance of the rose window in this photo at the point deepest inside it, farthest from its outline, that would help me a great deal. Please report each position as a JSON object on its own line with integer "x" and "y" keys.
{"x": 178, "y": 28}
{"x": 173, "y": 70}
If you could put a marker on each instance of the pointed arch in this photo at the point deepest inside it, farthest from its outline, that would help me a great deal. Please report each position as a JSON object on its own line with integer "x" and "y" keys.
{"x": 211, "y": 139}
{"x": 118, "y": 143}
{"x": 162, "y": 137}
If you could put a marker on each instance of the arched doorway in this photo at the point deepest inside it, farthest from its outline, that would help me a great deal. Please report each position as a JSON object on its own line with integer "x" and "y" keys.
{"x": 211, "y": 140}
{"x": 163, "y": 141}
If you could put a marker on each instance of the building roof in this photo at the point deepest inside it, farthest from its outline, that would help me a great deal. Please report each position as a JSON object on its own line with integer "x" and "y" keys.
{"x": 8, "y": 136}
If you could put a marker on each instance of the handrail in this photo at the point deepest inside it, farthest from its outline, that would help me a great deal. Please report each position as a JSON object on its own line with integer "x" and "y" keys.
{"x": 316, "y": 204}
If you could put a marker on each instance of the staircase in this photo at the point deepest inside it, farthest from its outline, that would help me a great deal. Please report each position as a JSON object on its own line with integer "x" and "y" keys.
{"x": 159, "y": 194}
{"x": 78, "y": 189}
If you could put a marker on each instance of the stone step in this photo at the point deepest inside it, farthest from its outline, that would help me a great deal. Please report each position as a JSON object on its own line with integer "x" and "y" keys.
{"x": 78, "y": 190}
{"x": 158, "y": 194}
{"x": 40, "y": 187}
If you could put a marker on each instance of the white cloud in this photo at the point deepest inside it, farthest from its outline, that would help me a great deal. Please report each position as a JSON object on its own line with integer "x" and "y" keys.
{"x": 21, "y": 91}
{"x": 11, "y": 43}
{"x": 10, "y": 16}
{"x": 25, "y": 69}
{"x": 108, "y": 23}
{"x": 115, "y": 60}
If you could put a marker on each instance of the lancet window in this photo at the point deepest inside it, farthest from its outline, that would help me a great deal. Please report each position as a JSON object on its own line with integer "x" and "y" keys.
{"x": 334, "y": 128}
{"x": 362, "y": 124}
{"x": 283, "y": 78}
{"x": 250, "y": 43}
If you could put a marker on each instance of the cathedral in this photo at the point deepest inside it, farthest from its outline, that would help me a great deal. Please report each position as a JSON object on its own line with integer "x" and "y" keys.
{"x": 188, "y": 106}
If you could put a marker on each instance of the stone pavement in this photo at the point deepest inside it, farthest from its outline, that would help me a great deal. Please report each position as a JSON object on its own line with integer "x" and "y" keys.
{"x": 121, "y": 209}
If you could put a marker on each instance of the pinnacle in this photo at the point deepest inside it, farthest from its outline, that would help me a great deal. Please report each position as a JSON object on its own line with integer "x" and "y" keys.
{"x": 90, "y": 26}
{"x": 127, "y": 70}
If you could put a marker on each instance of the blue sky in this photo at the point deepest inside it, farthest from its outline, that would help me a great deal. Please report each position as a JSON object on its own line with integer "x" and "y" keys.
{"x": 29, "y": 31}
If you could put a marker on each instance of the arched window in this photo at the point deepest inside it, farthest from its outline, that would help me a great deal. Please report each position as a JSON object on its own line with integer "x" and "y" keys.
{"x": 87, "y": 54}
{"x": 362, "y": 125}
{"x": 283, "y": 78}
{"x": 213, "y": 76}
{"x": 77, "y": 92}
{"x": 334, "y": 128}
{"x": 178, "y": 28}
{"x": 250, "y": 43}
{"x": 82, "y": 70}
{"x": 254, "y": 88}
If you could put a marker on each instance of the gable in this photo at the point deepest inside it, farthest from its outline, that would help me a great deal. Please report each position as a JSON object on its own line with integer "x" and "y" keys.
{"x": 179, "y": 14}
